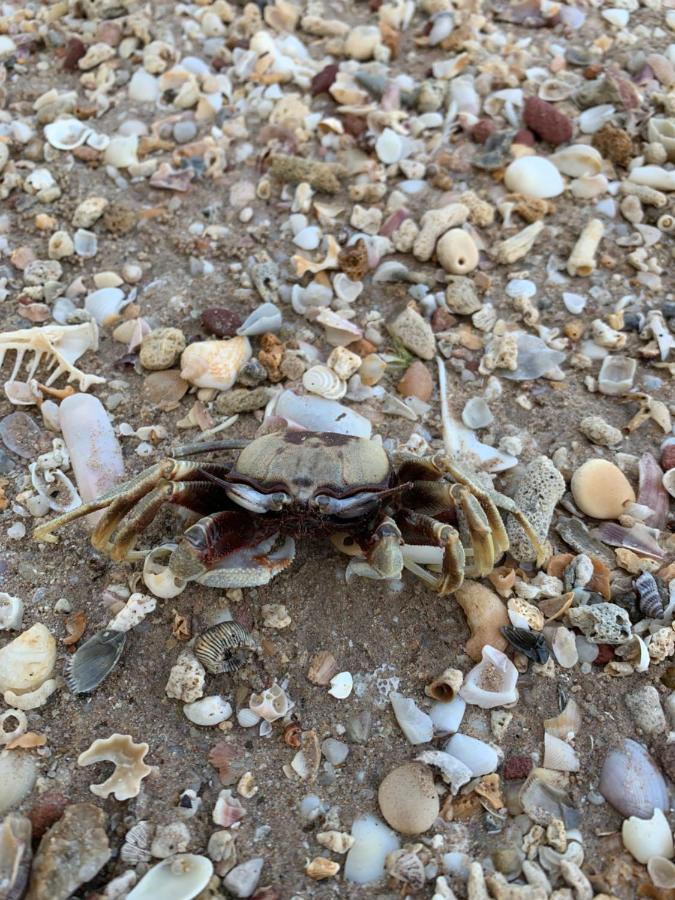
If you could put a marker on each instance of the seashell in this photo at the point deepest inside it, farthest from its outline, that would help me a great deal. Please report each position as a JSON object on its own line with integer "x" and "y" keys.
{"x": 18, "y": 774}
{"x": 346, "y": 289}
{"x": 7, "y": 735}
{"x": 631, "y": 781}
{"x": 635, "y": 652}
{"x": 391, "y": 271}
{"x": 66, "y": 134}
{"x": 531, "y": 643}
{"x": 533, "y": 176}
{"x": 318, "y": 414}
{"x": 662, "y": 131}
{"x": 247, "y": 718}
{"x": 94, "y": 660}
{"x": 228, "y": 809}
{"x": 600, "y": 489}
{"x": 577, "y": 160}
{"x": 122, "y": 151}
{"x": 15, "y": 856}
{"x": 651, "y": 492}
{"x": 638, "y": 537}
{"x": 56, "y": 488}
{"x": 389, "y": 147}
{"x": 323, "y": 381}
{"x": 457, "y": 252}
{"x": 32, "y": 699}
{"x": 479, "y": 758}
{"x": 616, "y": 375}
{"x": 339, "y": 331}
{"x": 476, "y": 413}
{"x": 157, "y": 575}
{"x": 127, "y": 757}
{"x": 415, "y": 724}
{"x": 372, "y": 369}
{"x": 564, "y": 645}
{"x": 453, "y": 771}
{"x": 215, "y": 648}
{"x": 644, "y": 838}
{"x": 566, "y": 724}
{"x": 27, "y": 661}
{"x": 492, "y": 682}
{"x": 272, "y": 704}
{"x": 208, "y": 711}
{"x": 180, "y": 877}
{"x": 11, "y": 612}
{"x": 543, "y": 799}
{"x": 669, "y": 481}
{"x": 662, "y": 872}
{"x": 593, "y": 118}
{"x": 651, "y": 604}
{"x": 215, "y": 364}
{"x": 266, "y": 317}
{"x": 668, "y": 454}
{"x": 341, "y": 685}
{"x": 315, "y": 294}
{"x": 589, "y": 186}
{"x": 373, "y": 841}
{"x": 559, "y": 755}
{"x": 308, "y": 238}
{"x": 534, "y": 358}
{"x": 447, "y": 717}
{"x": 445, "y": 686}
{"x": 653, "y": 177}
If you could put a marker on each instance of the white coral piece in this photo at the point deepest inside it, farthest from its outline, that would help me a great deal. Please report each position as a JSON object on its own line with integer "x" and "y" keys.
{"x": 130, "y": 770}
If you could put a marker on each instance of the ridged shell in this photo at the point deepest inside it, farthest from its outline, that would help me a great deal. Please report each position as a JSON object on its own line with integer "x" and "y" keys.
{"x": 216, "y": 647}
{"x": 559, "y": 755}
{"x": 631, "y": 781}
{"x": 215, "y": 364}
{"x": 323, "y": 381}
{"x": 94, "y": 661}
{"x": 650, "y": 599}
{"x": 531, "y": 643}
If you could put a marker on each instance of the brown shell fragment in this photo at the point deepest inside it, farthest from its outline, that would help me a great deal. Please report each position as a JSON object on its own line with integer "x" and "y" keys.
{"x": 354, "y": 260}
{"x": 75, "y": 626}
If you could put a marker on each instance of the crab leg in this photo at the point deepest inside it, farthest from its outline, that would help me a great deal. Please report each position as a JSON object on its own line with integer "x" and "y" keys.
{"x": 383, "y": 557}
{"x": 480, "y": 533}
{"x": 442, "y": 536}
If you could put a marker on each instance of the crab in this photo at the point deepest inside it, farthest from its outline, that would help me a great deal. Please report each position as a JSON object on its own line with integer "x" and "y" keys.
{"x": 389, "y": 513}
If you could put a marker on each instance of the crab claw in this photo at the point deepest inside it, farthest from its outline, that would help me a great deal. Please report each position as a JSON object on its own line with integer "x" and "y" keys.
{"x": 250, "y": 566}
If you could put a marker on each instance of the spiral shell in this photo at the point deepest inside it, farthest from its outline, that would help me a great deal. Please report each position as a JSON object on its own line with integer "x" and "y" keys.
{"x": 323, "y": 381}
{"x": 650, "y": 599}
{"x": 215, "y": 648}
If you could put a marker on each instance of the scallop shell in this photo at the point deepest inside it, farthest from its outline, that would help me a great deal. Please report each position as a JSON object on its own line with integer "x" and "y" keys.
{"x": 272, "y": 704}
{"x": 651, "y": 604}
{"x": 662, "y": 131}
{"x": 577, "y": 160}
{"x": 158, "y": 577}
{"x": 559, "y": 755}
{"x": 179, "y": 877}
{"x": 94, "y": 660}
{"x": 215, "y": 364}
{"x": 566, "y": 724}
{"x": 215, "y": 648}
{"x": 631, "y": 781}
{"x": 267, "y": 317}
{"x": 323, "y": 381}
{"x": 66, "y": 134}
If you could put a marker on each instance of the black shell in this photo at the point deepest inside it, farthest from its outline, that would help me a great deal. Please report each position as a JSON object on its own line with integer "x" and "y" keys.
{"x": 531, "y": 643}
{"x": 651, "y": 604}
{"x": 95, "y": 660}
{"x": 216, "y": 647}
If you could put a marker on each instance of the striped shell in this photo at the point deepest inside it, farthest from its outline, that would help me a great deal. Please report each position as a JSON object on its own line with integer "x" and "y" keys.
{"x": 215, "y": 648}
{"x": 323, "y": 381}
{"x": 94, "y": 660}
{"x": 651, "y": 604}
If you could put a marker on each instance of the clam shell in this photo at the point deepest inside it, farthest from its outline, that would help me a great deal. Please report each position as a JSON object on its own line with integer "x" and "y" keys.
{"x": 66, "y": 134}
{"x": 158, "y": 577}
{"x": 534, "y": 176}
{"x": 94, "y": 660}
{"x": 247, "y": 718}
{"x": 662, "y": 131}
{"x": 669, "y": 481}
{"x": 266, "y": 317}
{"x": 559, "y": 755}
{"x": 631, "y": 781}
{"x": 215, "y": 364}
{"x": 179, "y": 877}
{"x": 323, "y": 381}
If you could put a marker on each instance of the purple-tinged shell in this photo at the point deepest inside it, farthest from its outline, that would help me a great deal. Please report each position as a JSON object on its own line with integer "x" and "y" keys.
{"x": 651, "y": 604}
{"x": 652, "y": 492}
{"x": 638, "y": 538}
{"x": 668, "y": 454}
{"x": 631, "y": 781}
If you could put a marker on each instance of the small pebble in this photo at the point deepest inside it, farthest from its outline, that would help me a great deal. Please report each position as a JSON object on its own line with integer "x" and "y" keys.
{"x": 408, "y": 798}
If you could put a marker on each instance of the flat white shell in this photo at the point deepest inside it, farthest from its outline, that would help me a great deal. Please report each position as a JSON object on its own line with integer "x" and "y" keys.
{"x": 208, "y": 711}
{"x": 341, "y": 685}
{"x": 478, "y": 756}
{"x": 179, "y": 877}
{"x": 534, "y": 176}
{"x": 66, "y": 134}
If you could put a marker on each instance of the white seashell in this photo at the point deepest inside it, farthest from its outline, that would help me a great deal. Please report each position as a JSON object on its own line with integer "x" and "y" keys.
{"x": 32, "y": 699}
{"x": 662, "y": 872}
{"x": 631, "y": 781}
{"x": 208, "y": 711}
{"x": 669, "y": 481}
{"x": 566, "y": 724}
{"x": 266, "y": 317}
{"x": 318, "y": 414}
{"x": 447, "y": 717}
{"x": 314, "y": 295}
{"x": 66, "y": 134}
{"x": 457, "y": 252}
{"x": 443, "y": 25}
{"x": 454, "y": 771}
{"x": 373, "y": 841}
{"x": 56, "y": 488}
{"x": 654, "y": 177}
{"x": 589, "y": 186}
{"x": 616, "y": 17}
{"x": 644, "y": 838}
{"x": 534, "y": 176}
{"x": 592, "y": 119}
{"x": 97, "y": 141}
{"x": 323, "y": 381}
{"x": 556, "y": 89}
{"x": 476, "y": 413}
{"x": 390, "y": 271}
{"x": 577, "y": 160}
{"x": 137, "y": 607}
{"x": 339, "y": 331}
{"x": 18, "y": 774}
{"x": 341, "y": 685}
{"x": 559, "y": 755}
{"x": 85, "y": 244}
{"x": 574, "y": 303}
{"x": 308, "y": 238}
{"x": 11, "y": 612}
{"x": 662, "y": 131}
{"x": 415, "y": 724}
{"x": 389, "y": 147}
{"x": 346, "y": 289}
{"x": 179, "y": 877}
{"x": 480, "y": 758}
{"x": 272, "y": 704}
{"x": 247, "y": 718}
{"x": 564, "y": 647}
{"x": 215, "y": 364}
{"x": 106, "y": 304}
{"x": 28, "y": 660}
{"x": 158, "y": 577}
{"x": 122, "y": 151}
{"x": 17, "y": 725}
{"x": 492, "y": 682}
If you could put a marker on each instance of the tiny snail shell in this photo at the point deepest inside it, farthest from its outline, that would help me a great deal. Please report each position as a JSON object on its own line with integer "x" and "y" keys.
{"x": 445, "y": 687}
{"x": 323, "y": 381}
{"x": 457, "y": 252}
{"x": 158, "y": 577}
{"x": 215, "y": 647}
{"x": 666, "y": 222}
{"x": 650, "y": 599}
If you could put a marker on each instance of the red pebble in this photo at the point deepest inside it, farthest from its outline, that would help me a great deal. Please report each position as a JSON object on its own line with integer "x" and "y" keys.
{"x": 45, "y": 811}
{"x": 442, "y": 320}
{"x": 221, "y": 321}
{"x": 482, "y": 130}
{"x": 517, "y": 767}
{"x": 605, "y": 655}
{"x": 75, "y": 50}
{"x": 324, "y": 79}
{"x": 546, "y": 121}
{"x": 524, "y": 137}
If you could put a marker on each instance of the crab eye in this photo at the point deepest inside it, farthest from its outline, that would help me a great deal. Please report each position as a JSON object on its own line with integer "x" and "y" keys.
{"x": 348, "y": 507}
{"x": 256, "y": 501}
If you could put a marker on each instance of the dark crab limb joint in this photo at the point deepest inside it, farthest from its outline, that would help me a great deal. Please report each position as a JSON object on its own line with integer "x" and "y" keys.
{"x": 427, "y": 515}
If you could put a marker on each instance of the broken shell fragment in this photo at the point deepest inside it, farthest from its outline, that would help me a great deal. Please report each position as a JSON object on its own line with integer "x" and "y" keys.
{"x": 444, "y": 688}
{"x": 577, "y": 160}
{"x": 18, "y": 774}
{"x": 559, "y": 755}
{"x": 208, "y": 711}
{"x": 415, "y": 724}
{"x": 479, "y": 757}
{"x": 566, "y": 724}
{"x": 645, "y": 838}
{"x": 130, "y": 770}
{"x": 323, "y": 381}
{"x": 66, "y": 134}
{"x": 179, "y": 877}
{"x": 216, "y": 647}
{"x": 271, "y": 704}
{"x": 492, "y": 682}
{"x": 215, "y": 364}
{"x": 533, "y": 176}
{"x": 27, "y": 661}
{"x": 266, "y": 317}
{"x": 94, "y": 660}
{"x": 11, "y": 612}
{"x": 662, "y": 872}
{"x": 157, "y": 574}
{"x": 600, "y": 489}
{"x": 616, "y": 375}
{"x": 457, "y": 252}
